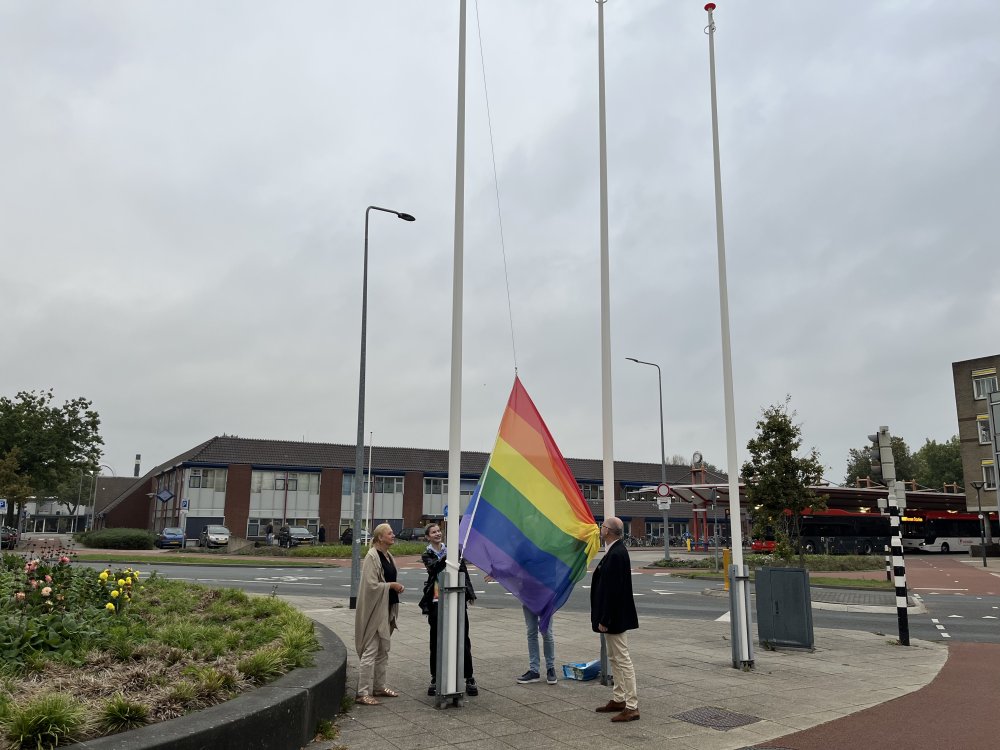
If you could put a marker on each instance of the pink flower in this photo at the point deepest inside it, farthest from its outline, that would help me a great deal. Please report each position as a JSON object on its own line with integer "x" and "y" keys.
{"x": 19, "y": 596}
{"x": 48, "y": 579}
{"x": 34, "y": 583}
{"x": 64, "y": 560}
{"x": 46, "y": 591}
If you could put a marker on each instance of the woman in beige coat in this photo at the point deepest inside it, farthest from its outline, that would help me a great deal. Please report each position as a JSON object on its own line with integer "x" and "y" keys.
{"x": 375, "y": 618}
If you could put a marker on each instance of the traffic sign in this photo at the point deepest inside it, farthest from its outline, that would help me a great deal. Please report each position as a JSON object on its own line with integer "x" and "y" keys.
{"x": 184, "y": 503}
{"x": 663, "y": 503}
{"x": 663, "y": 490}
{"x": 3, "y": 504}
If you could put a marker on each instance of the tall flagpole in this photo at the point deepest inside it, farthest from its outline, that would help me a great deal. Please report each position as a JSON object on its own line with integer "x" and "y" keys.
{"x": 742, "y": 642}
{"x": 606, "y": 422}
{"x": 448, "y": 682}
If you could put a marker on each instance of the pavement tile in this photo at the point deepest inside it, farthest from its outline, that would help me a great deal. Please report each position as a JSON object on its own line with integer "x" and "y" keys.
{"x": 679, "y": 666}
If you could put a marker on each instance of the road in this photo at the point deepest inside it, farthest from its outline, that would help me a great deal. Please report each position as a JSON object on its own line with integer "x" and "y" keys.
{"x": 962, "y": 602}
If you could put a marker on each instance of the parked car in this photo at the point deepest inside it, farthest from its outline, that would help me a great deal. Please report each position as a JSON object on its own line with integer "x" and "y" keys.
{"x": 8, "y": 537}
{"x": 411, "y": 535}
{"x": 292, "y": 536}
{"x": 213, "y": 536}
{"x": 169, "y": 536}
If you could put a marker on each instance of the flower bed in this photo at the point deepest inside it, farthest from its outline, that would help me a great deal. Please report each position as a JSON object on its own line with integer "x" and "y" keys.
{"x": 85, "y": 653}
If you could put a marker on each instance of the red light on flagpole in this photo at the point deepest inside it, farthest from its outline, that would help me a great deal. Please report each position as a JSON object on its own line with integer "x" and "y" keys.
{"x": 710, "y": 7}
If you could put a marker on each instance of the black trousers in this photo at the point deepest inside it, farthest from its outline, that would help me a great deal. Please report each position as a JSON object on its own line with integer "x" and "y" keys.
{"x": 432, "y": 620}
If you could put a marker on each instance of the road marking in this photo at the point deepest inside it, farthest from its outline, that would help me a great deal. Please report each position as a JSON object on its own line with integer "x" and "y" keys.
{"x": 945, "y": 635}
{"x": 723, "y": 618}
{"x": 989, "y": 617}
{"x": 939, "y": 627}
{"x": 934, "y": 620}
{"x": 955, "y": 616}
{"x": 663, "y": 593}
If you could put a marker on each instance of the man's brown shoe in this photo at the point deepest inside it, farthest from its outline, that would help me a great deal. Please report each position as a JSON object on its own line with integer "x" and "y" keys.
{"x": 629, "y": 714}
{"x": 611, "y": 707}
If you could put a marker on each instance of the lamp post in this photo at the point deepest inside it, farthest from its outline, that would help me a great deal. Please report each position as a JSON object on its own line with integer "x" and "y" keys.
{"x": 89, "y": 524}
{"x": 359, "y": 462}
{"x": 663, "y": 456}
{"x": 983, "y": 520}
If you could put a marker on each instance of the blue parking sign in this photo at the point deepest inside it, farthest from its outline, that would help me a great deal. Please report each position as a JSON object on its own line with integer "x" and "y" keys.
{"x": 3, "y": 504}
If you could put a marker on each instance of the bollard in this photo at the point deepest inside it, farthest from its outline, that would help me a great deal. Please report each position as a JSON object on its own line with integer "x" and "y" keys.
{"x": 688, "y": 544}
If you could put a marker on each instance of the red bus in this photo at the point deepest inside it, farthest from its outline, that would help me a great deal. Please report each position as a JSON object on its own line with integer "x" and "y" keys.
{"x": 943, "y": 530}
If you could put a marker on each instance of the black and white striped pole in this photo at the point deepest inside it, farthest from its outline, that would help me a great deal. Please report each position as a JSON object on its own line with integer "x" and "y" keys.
{"x": 883, "y": 464}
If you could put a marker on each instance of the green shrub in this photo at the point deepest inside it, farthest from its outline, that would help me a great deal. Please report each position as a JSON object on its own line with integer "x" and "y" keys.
{"x": 117, "y": 539}
{"x": 264, "y": 665}
{"x": 46, "y": 721}
{"x": 119, "y": 714}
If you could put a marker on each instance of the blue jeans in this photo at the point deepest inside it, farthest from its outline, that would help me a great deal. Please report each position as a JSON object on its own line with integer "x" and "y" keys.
{"x": 548, "y": 642}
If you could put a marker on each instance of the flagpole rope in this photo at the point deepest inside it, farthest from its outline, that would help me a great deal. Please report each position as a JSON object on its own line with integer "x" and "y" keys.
{"x": 496, "y": 187}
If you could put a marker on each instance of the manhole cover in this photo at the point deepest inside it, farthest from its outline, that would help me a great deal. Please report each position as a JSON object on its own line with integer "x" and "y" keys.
{"x": 716, "y": 718}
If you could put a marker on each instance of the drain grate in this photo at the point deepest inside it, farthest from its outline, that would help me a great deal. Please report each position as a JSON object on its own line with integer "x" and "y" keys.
{"x": 716, "y": 718}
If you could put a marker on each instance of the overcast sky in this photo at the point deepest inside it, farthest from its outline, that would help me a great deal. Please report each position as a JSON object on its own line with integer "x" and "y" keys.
{"x": 183, "y": 188}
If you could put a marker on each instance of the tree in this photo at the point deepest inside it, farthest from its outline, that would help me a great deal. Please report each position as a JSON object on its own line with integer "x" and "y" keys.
{"x": 778, "y": 480}
{"x": 52, "y": 443}
{"x": 938, "y": 464}
{"x": 859, "y": 465}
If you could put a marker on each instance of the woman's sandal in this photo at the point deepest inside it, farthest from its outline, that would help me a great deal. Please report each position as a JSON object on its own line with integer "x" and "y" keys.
{"x": 367, "y": 700}
{"x": 387, "y": 693}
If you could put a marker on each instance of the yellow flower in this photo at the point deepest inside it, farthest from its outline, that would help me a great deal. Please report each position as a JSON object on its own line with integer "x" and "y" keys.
{"x": 128, "y": 581}
{"x": 104, "y": 575}
{"x": 136, "y": 575}
{"x": 128, "y": 598}
{"x": 121, "y": 581}
{"x": 110, "y": 607}
{"x": 115, "y": 593}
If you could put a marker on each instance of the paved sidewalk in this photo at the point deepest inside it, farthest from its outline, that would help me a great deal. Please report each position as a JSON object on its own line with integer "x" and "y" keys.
{"x": 681, "y": 665}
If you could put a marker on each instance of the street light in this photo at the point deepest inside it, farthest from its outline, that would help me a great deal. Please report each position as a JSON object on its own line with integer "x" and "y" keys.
{"x": 663, "y": 457}
{"x": 983, "y": 520}
{"x": 93, "y": 510}
{"x": 360, "y": 452}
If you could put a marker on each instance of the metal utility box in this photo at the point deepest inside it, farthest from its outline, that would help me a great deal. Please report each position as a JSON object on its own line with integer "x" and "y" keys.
{"x": 784, "y": 607}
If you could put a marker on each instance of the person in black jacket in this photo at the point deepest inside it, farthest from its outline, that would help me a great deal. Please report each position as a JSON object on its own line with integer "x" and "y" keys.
{"x": 612, "y": 612}
{"x": 433, "y": 559}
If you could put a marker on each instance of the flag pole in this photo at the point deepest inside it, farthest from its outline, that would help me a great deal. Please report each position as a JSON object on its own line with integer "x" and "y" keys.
{"x": 742, "y": 641}
{"x": 606, "y": 422}
{"x": 448, "y": 683}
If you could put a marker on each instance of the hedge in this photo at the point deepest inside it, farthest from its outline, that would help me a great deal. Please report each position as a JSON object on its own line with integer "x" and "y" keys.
{"x": 117, "y": 539}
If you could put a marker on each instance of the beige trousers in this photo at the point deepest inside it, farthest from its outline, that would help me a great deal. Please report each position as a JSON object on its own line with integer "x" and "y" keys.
{"x": 371, "y": 669}
{"x": 622, "y": 669}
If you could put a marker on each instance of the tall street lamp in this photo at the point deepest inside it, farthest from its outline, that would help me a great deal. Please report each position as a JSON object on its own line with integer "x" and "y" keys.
{"x": 663, "y": 456}
{"x": 359, "y": 461}
{"x": 983, "y": 520}
{"x": 89, "y": 522}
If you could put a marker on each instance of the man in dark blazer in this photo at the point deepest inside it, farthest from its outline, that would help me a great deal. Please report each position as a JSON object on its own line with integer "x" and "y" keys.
{"x": 612, "y": 612}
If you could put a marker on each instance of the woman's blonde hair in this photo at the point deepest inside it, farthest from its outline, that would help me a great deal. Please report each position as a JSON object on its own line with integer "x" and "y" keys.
{"x": 379, "y": 531}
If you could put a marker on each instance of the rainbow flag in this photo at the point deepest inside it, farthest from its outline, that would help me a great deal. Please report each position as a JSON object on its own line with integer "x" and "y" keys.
{"x": 528, "y": 525}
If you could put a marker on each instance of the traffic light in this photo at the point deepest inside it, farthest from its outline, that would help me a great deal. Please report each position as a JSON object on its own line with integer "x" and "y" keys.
{"x": 880, "y": 453}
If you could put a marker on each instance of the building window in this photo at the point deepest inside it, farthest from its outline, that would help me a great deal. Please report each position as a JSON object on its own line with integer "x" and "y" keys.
{"x": 983, "y": 386}
{"x": 288, "y": 482}
{"x": 989, "y": 476}
{"x": 983, "y": 423}
{"x": 592, "y": 491}
{"x": 202, "y": 478}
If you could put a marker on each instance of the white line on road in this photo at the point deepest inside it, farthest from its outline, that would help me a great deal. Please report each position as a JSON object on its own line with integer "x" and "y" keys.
{"x": 723, "y": 618}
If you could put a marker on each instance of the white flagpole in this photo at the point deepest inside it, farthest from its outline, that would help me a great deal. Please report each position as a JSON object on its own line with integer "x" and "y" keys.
{"x": 606, "y": 422}
{"x": 448, "y": 682}
{"x": 371, "y": 485}
{"x": 742, "y": 642}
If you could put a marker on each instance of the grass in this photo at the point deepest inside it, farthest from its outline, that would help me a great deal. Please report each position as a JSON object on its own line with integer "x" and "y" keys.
{"x": 814, "y": 563}
{"x": 194, "y": 558}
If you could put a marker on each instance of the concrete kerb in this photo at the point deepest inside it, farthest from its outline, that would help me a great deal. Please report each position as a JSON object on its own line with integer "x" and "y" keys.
{"x": 282, "y": 715}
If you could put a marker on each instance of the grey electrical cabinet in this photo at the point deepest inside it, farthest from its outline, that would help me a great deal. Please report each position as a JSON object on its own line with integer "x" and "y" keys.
{"x": 784, "y": 607}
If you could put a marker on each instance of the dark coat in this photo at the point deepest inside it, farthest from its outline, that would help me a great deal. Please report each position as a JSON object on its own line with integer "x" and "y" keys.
{"x": 434, "y": 566}
{"x": 611, "y": 602}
